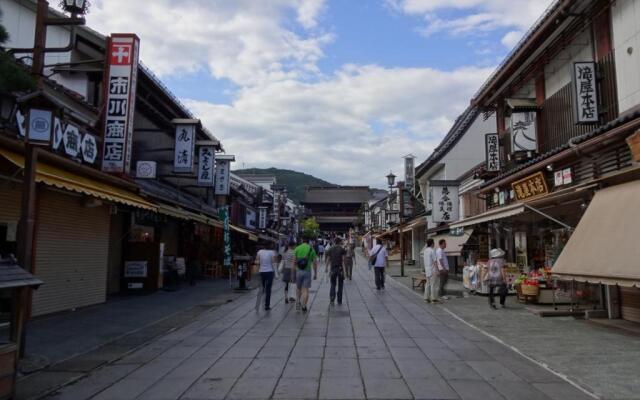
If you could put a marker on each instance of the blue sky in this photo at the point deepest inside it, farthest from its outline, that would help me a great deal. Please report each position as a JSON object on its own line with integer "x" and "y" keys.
{"x": 341, "y": 89}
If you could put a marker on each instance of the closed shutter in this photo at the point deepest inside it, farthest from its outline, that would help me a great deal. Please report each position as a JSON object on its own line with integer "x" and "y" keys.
{"x": 71, "y": 253}
{"x": 630, "y": 304}
{"x": 10, "y": 199}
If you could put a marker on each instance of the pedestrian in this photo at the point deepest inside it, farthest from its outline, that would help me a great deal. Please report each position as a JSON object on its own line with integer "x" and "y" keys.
{"x": 496, "y": 277}
{"x": 305, "y": 259}
{"x": 350, "y": 259}
{"x": 379, "y": 260}
{"x": 432, "y": 284}
{"x": 320, "y": 250}
{"x": 336, "y": 258}
{"x": 266, "y": 259}
{"x": 443, "y": 267}
{"x": 288, "y": 270}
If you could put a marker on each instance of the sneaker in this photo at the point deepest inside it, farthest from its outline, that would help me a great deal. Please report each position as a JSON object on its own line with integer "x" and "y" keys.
{"x": 267, "y": 308}
{"x": 427, "y": 301}
{"x": 331, "y": 303}
{"x": 494, "y": 306}
{"x": 445, "y": 297}
{"x": 435, "y": 302}
{"x": 286, "y": 301}
{"x": 291, "y": 299}
{"x": 304, "y": 309}
{"x": 339, "y": 303}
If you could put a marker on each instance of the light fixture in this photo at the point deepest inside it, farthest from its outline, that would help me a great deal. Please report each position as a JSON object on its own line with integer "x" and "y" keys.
{"x": 391, "y": 178}
{"x": 550, "y": 167}
{"x": 75, "y": 6}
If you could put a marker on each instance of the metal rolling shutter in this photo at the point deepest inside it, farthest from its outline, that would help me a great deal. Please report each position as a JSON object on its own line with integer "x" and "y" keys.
{"x": 71, "y": 253}
{"x": 630, "y": 304}
{"x": 10, "y": 199}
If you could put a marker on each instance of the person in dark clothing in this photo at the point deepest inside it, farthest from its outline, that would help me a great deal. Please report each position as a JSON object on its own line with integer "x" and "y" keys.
{"x": 335, "y": 258}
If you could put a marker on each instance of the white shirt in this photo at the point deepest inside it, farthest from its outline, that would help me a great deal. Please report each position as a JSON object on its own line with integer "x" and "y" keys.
{"x": 429, "y": 261}
{"x": 381, "y": 259}
{"x": 442, "y": 257}
{"x": 266, "y": 260}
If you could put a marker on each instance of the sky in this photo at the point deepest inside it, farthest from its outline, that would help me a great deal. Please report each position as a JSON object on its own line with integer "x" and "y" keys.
{"x": 340, "y": 89}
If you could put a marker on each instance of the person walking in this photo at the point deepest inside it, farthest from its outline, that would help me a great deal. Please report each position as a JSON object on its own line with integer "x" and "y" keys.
{"x": 288, "y": 270}
{"x": 349, "y": 260}
{"x": 379, "y": 260}
{"x": 432, "y": 284}
{"x": 443, "y": 267}
{"x": 305, "y": 258}
{"x": 266, "y": 259}
{"x": 336, "y": 258}
{"x": 496, "y": 277}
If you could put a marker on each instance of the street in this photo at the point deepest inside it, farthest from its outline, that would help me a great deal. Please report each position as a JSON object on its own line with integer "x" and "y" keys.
{"x": 377, "y": 345}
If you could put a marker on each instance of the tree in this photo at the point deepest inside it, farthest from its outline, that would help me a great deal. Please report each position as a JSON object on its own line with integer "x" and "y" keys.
{"x": 13, "y": 78}
{"x": 310, "y": 228}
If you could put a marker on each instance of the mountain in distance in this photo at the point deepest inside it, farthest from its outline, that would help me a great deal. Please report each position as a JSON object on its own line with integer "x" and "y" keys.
{"x": 294, "y": 181}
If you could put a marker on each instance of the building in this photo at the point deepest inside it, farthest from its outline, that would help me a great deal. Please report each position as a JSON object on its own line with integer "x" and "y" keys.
{"x": 335, "y": 208}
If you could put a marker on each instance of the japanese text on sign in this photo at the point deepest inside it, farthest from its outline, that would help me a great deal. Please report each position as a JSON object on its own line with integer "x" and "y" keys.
{"x": 523, "y": 131}
{"x": 122, "y": 54}
{"x": 184, "y": 148}
{"x": 409, "y": 173}
{"x": 532, "y": 186}
{"x": 586, "y": 97}
{"x": 222, "y": 177}
{"x": 206, "y": 156}
{"x": 492, "y": 150}
{"x": 262, "y": 218}
{"x": 445, "y": 201}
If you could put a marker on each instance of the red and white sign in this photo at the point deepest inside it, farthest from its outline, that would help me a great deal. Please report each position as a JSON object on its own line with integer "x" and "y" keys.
{"x": 120, "y": 101}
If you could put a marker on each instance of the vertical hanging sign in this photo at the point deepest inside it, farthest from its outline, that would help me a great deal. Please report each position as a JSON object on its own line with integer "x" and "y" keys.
{"x": 223, "y": 164}
{"x": 120, "y": 101}
{"x": 206, "y": 158}
{"x": 585, "y": 92}
{"x": 262, "y": 218}
{"x": 409, "y": 173}
{"x": 223, "y": 213}
{"x": 184, "y": 145}
{"x": 445, "y": 200}
{"x": 492, "y": 151}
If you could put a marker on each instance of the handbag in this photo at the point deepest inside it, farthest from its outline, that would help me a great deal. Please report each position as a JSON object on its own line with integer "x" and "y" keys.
{"x": 302, "y": 263}
{"x": 373, "y": 258}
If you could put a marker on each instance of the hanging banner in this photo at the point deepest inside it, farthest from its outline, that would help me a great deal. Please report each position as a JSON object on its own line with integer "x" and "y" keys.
{"x": 40, "y": 122}
{"x": 276, "y": 204}
{"x": 445, "y": 201}
{"x": 222, "y": 177}
{"x": 492, "y": 151}
{"x": 585, "y": 99}
{"x": 184, "y": 147}
{"x": 262, "y": 218}
{"x": 72, "y": 140}
{"x": 223, "y": 213}
{"x": 523, "y": 131}
{"x": 409, "y": 173}
{"x": 89, "y": 148}
{"x": 120, "y": 102}
{"x": 250, "y": 219}
{"x": 206, "y": 156}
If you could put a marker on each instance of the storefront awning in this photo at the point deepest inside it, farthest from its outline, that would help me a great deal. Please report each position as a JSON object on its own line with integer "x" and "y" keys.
{"x": 386, "y": 233}
{"x": 604, "y": 247}
{"x": 491, "y": 215}
{"x": 416, "y": 223}
{"x": 57, "y": 177}
{"x": 454, "y": 243}
{"x": 187, "y": 215}
{"x": 253, "y": 237}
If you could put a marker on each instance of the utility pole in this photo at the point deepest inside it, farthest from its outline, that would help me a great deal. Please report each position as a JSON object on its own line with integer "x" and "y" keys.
{"x": 400, "y": 223}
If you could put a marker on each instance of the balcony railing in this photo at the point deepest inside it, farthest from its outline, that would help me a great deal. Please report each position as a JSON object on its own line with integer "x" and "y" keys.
{"x": 558, "y": 115}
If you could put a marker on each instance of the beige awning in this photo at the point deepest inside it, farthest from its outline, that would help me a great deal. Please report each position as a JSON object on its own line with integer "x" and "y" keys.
{"x": 454, "y": 243}
{"x": 491, "y": 215}
{"x": 604, "y": 247}
{"x": 416, "y": 223}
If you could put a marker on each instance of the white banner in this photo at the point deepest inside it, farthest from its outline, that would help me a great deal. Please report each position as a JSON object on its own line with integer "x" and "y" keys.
{"x": 122, "y": 54}
{"x": 206, "y": 157}
{"x": 445, "y": 201}
{"x": 585, "y": 92}
{"x": 262, "y": 218}
{"x": 72, "y": 140}
{"x": 492, "y": 151}
{"x": 89, "y": 148}
{"x": 40, "y": 122}
{"x": 523, "y": 131}
{"x": 222, "y": 177}
{"x": 184, "y": 148}
{"x": 409, "y": 173}
{"x": 250, "y": 219}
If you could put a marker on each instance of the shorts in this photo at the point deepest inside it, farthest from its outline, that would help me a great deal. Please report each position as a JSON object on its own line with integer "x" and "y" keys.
{"x": 303, "y": 278}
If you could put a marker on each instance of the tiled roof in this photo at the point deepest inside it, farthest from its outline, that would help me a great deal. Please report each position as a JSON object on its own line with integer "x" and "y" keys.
{"x": 12, "y": 276}
{"x": 576, "y": 140}
{"x": 348, "y": 194}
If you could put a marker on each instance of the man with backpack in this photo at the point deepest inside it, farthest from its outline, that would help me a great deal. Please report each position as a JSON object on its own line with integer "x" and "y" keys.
{"x": 379, "y": 259}
{"x": 305, "y": 259}
{"x": 336, "y": 261}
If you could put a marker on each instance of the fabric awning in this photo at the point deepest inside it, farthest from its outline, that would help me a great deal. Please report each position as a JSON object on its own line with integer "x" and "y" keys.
{"x": 253, "y": 237}
{"x": 386, "y": 233}
{"x": 416, "y": 223}
{"x": 57, "y": 177}
{"x": 491, "y": 215}
{"x": 187, "y": 215}
{"x": 604, "y": 247}
{"x": 454, "y": 243}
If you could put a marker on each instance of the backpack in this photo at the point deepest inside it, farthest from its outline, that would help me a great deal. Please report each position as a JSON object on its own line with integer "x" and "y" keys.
{"x": 302, "y": 263}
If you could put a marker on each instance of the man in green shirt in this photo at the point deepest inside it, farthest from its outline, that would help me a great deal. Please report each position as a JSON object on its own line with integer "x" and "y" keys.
{"x": 305, "y": 258}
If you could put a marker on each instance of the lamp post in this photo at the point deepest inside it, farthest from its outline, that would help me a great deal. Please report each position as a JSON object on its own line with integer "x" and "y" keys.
{"x": 391, "y": 178}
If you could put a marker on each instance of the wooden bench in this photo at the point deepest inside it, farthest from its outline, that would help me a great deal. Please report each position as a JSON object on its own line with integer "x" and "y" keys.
{"x": 421, "y": 280}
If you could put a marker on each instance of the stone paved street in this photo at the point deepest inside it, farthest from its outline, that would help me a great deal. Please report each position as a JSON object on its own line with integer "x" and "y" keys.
{"x": 377, "y": 345}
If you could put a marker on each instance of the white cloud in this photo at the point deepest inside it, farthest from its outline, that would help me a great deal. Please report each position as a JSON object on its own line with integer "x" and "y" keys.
{"x": 511, "y": 38}
{"x": 244, "y": 41}
{"x": 350, "y": 128}
{"x": 479, "y": 15}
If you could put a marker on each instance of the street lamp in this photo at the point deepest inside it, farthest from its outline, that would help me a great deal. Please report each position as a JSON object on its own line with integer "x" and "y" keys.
{"x": 391, "y": 178}
{"x": 75, "y": 6}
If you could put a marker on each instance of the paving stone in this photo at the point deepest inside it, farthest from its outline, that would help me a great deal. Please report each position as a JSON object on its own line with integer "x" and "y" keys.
{"x": 340, "y": 342}
{"x": 379, "y": 368}
{"x": 253, "y": 388}
{"x": 209, "y": 389}
{"x": 265, "y": 368}
{"x": 373, "y": 352}
{"x": 297, "y": 388}
{"x": 442, "y": 353}
{"x": 340, "y": 368}
{"x": 417, "y": 368}
{"x": 243, "y": 351}
{"x": 168, "y": 389}
{"x": 561, "y": 391}
{"x": 307, "y": 351}
{"x": 493, "y": 371}
{"x": 518, "y": 391}
{"x": 456, "y": 370}
{"x": 125, "y": 389}
{"x": 341, "y": 388}
{"x": 40, "y": 382}
{"x": 431, "y": 388}
{"x": 191, "y": 368}
{"x": 228, "y": 368}
{"x": 400, "y": 342}
{"x": 303, "y": 368}
{"x": 340, "y": 352}
{"x": 406, "y": 352}
{"x": 311, "y": 341}
{"x": 275, "y": 351}
{"x": 385, "y": 388}
{"x": 475, "y": 390}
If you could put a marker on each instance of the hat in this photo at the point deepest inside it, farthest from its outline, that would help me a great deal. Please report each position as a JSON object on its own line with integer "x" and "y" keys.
{"x": 496, "y": 253}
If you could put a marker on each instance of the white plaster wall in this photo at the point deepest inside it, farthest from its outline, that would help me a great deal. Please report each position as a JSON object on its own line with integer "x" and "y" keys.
{"x": 558, "y": 72}
{"x": 625, "y": 15}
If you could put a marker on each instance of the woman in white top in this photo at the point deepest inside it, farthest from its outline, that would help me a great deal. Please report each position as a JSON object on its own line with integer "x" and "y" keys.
{"x": 266, "y": 259}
